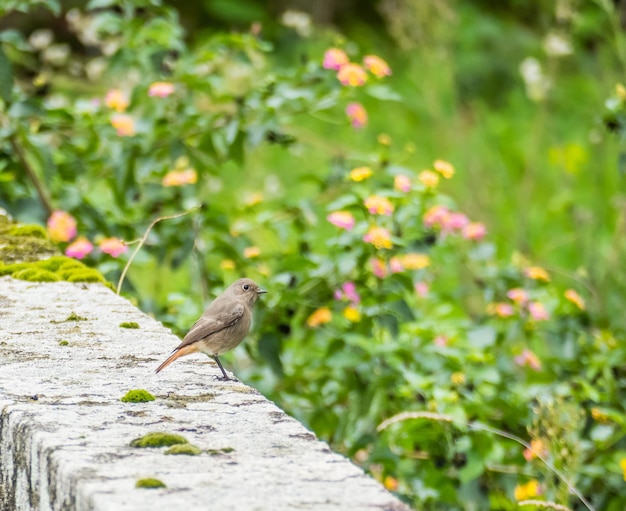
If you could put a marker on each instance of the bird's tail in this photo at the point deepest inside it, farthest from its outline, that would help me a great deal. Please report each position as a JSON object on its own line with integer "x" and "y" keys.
{"x": 185, "y": 350}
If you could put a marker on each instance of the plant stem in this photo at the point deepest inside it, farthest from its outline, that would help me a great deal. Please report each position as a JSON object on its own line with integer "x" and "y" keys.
{"x": 44, "y": 197}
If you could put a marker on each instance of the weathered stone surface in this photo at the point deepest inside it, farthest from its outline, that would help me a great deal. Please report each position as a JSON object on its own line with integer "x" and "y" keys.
{"x": 65, "y": 435}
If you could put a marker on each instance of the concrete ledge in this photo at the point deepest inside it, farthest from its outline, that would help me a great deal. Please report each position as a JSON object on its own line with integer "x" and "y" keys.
{"x": 65, "y": 435}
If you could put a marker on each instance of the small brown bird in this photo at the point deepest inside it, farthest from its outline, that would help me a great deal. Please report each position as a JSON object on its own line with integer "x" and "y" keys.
{"x": 223, "y": 325}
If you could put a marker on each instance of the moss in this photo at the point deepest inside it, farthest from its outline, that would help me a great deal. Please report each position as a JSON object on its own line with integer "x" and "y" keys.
{"x": 138, "y": 396}
{"x": 158, "y": 440}
{"x": 55, "y": 262}
{"x": 217, "y": 452}
{"x": 75, "y": 317}
{"x": 36, "y": 275}
{"x": 150, "y": 482}
{"x": 87, "y": 275}
{"x": 186, "y": 449}
{"x": 129, "y": 324}
{"x": 35, "y": 231}
{"x": 63, "y": 343}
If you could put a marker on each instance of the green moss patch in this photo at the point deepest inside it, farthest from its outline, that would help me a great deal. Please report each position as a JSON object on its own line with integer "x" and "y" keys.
{"x": 34, "y": 231}
{"x": 150, "y": 482}
{"x": 129, "y": 324}
{"x": 217, "y": 452}
{"x": 51, "y": 270}
{"x": 137, "y": 396}
{"x": 158, "y": 440}
{"x": 185, "y": 449}
{"x": 23, "y": 242}
{"x": 63, "y": 343}
{"x": 36, "y": 275}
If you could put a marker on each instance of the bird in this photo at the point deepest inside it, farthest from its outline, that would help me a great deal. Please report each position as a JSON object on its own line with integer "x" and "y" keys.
{"x": 224, "y": 324}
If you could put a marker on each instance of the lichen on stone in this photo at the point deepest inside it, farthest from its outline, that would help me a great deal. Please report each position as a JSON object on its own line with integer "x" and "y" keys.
{"x": 185, "y": 449}
{"x": 217, "y": 452}
{"x": 137, "y": 396}
{"x": 63, "y": 343}
{"x": 150, "y": 483}
{"x": 158, "y": 439}
{"x": 129, "y": 324}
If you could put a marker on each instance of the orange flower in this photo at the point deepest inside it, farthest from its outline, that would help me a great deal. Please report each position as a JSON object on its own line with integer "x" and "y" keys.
{"x": 116, "y": 100}
{"x": 502, "y": 310}
{"x": 575, "y": 298}
{"x": 444, "y": 168}
{"x": 161, "y": 89}
{"x": 377, "y": 66}
{"x": 352, "y": 75}
{"x": 428, "y": 178}
{"x": 319, "y": 317}
{"x": 251, "y": 252}
{"x": 61, "y": 226}
{"x": 180, "y": 177}
{"x": 391, "y": 483}
{"x": 599, "y": 415}
{"x": 379, "y": 237}
{"x": 474, "y": 231}
{"x": 113, "y": 246}
{"x": 124, "y": 124}
{"x": 537, "y": 273}
{"x": 529, "y": 359}
{"x": 537, "y": 446}
{"x": 377, "y": 205}
{"x": 414, "y": 261}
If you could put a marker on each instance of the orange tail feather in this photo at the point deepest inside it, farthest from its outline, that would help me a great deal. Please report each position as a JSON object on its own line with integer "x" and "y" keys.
{"x": 185, "y": 350}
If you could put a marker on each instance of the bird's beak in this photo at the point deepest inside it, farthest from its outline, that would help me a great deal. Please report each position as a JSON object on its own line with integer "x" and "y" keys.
{"x": 261, "y": 291}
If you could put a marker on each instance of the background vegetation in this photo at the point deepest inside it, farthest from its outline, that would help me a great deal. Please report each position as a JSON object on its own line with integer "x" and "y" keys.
{"x": 468, "y": 272}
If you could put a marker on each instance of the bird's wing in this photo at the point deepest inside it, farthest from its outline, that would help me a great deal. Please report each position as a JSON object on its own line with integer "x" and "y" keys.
{"x": 212, "y": 322}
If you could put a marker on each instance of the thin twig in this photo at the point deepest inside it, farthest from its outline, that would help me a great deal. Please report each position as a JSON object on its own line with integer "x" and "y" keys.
{"x": 32, "y": 176}
{"x": 143, "y": 240}
{"x": 478, "y": 426}
{"x": 544, "y": 504}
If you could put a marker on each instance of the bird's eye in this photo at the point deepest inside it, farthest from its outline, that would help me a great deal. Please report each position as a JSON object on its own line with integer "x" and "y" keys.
{"x": 246, "y": 287}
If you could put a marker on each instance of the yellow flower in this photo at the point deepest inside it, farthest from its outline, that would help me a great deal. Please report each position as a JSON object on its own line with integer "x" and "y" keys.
{"x": 360, "y": 173}
{"x": 599, "y": 415}
{"x": 457, "y": 378}
{"x": 391, "y": 483}
{"x": 116, "y": 100}
{"x": 227, "y": 264}
{"x": 352, "y": 75}
{"x": 377, "y": 66}
{"x": 180, "y": 177}
{"x": 622, "y": 465}
{"x": 444, "y": 168}
{"x": 575, "y": 298}
{"x": 319, "y": 317}
{"x": 384, "y": 139}
{"x": 428, "y": 178}
{"x": 379, "y": 237}
{"x": 377, "y": 205}
{"x": 528, "y": 490}
{"x": 351, "y": 313}
{"x": 537, "y": 273}
{"x": 415, "y": 261}
{"x": 250, "y": 252}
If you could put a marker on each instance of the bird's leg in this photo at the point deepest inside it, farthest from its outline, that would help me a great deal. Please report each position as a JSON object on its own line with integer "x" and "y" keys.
{"x": 214, "y": 357}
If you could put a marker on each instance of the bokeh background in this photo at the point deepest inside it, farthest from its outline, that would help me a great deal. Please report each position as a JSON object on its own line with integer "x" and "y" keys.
{"x": 474, "y": 276}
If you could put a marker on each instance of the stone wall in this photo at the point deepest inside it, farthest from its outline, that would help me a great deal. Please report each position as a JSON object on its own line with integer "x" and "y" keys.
{"x": 65, "y": 434}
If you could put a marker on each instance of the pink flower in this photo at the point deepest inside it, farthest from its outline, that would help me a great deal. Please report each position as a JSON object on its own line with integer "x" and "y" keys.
{"x": 79, "y": 248}
{"x": 377, "y": 66}
{"x": 357, "y": 115}
{"x": 124, "y": 124}
{"x": 161, "y": 89}
{"x": 352, "y": 75}
{"x": 349, "y": 292}
{"x": 456, "y": 222}
{"x": 502, "y": 310}
{"x": 402, "y": 183}
{"x": 341, "y": 219}
{"x": 441, "y": 341}
{"x": 474, "y": 231}
{"x": 421, "y": 288}
{"x": 518, "y": 295}
{"x": 436, "y": 216}
{"x": 113, "y": 246}
{"x": 378, "y": 267}
{"x": 537, "y": 311}
{"x": 61, "y": 226}
{"x": 395, "y": 265}
{"x": 334, "y": 58}
{"x": 529, "y": 359}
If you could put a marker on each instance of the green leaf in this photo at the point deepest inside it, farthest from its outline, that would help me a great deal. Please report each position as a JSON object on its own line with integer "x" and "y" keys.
{"x": 383, "y": 93}
{"x": 6, "y": 77}
{"x": 482, "y": 337}
{"x": 269, "y": 349}
{"x": 99, "y": 4}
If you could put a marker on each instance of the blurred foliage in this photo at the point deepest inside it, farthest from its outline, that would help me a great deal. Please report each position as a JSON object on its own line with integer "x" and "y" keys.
{"x": 384, "y": 296}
